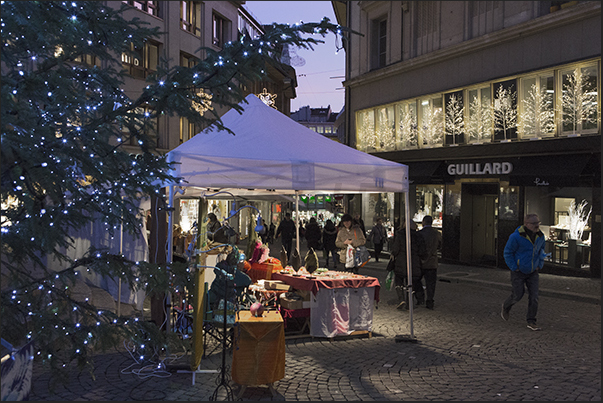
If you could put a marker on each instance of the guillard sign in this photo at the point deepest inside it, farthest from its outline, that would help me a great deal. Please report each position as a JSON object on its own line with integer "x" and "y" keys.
{"x": 488, "y": 168}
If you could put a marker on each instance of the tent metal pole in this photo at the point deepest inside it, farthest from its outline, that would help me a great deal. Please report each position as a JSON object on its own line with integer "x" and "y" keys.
{"x": 297, "y": 220}
{"x": 408, "y": 259}
{"x": 170, "y": 251}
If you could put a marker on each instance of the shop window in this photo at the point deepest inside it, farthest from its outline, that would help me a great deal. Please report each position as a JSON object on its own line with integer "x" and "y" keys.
{"x": 579, "y": 100}
{"x": 320, "y": 129}
{"x": 536, "y": 107}
{"x": 508, "y": 207}
{"x": 365, "y": 130}
{"x": 429, "y": 201}
{"x": 385, "y": 131}
{"x": 505, "y": 111}
{"x": 328, "y": 130}
{"x": 190, "y": 17}
{"x": 454, "y": 118}
{"x": 479, "y": 115}
{"x": 144, "y": 122}
{"x": 88, "y": 60}
{"x": 407, "y": 130}
{"x": 141, "y": 61}
{"x": 453, "y": 199}
{"x": 432, "y": 122}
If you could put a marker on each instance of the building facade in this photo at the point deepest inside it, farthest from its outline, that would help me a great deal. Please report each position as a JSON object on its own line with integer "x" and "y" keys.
{"x": 495, "y": 107}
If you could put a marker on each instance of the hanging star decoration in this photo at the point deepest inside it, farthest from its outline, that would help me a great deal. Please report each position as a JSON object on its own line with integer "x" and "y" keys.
{"x": 267, "y": 98}
{"x": 205, "y": 103}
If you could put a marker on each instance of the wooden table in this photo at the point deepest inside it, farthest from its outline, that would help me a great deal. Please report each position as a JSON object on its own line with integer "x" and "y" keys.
{"x": 259, "y": 351}
{"x": 338, "y": 306}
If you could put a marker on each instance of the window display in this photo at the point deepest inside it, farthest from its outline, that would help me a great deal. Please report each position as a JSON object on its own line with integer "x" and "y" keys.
{"x": 429, "y": 201}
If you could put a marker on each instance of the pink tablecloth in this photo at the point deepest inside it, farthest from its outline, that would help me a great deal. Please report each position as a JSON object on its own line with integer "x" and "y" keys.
{"x": 313, "y": 284}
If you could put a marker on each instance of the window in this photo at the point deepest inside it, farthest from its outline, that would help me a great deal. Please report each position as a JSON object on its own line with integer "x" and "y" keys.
{"x": 141, "y": 61}
{"x": 479, "y": 115}
{"x": 328, "y": 130}
{"x": 454, "y": 118}
{"x": 407, "y": 132}
{"x": 385, "y": 130}
{"x": 505, "y": 111}
{"x": 431, "y": 129}
{"x": 320, "y": 129}
{"x": 579, "y": 100}
{"x": 219, "y": 25}
{"x": 536, "y": 107}
{"x": 379, "y": 43}
{"x": 145, "y": 121}
{"x": 187, "y": 130}
{"x": 149, "y": 7}
{"x": 187, "y": 60}
{"x": 88, "y": 60}
{"x": 190, "y": 17}
{"x": 365, "y": 130}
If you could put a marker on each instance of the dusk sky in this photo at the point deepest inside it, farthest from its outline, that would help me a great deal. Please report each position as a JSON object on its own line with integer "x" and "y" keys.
{"x": 315, "y": 87}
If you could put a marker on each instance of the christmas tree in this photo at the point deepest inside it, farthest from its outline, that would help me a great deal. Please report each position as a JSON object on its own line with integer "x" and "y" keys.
{"x": 65, "y": 163}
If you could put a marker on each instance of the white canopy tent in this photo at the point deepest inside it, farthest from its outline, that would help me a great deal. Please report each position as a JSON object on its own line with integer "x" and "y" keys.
{"x": 270, "y": 153}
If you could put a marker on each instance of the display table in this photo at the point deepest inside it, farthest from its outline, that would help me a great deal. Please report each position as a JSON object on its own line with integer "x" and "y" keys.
{"x": 338, "y": 306}
{"x": 259, "y": 354}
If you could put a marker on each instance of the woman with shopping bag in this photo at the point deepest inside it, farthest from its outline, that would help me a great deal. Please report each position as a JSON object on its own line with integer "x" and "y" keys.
{"x": 349, "y": 234}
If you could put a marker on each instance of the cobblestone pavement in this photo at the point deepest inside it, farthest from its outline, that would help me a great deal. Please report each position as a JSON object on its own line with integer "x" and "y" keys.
{"x": 463, "y": 351}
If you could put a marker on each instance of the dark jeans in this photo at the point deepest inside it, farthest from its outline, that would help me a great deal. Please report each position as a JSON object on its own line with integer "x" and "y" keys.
{"x": 333, "y": 253}
{"x": 378, "y": 249}
{"x": 519, "y": 282}
{"x": 431, "y": 277}
{"x": 417, "y": 285}
{"x": 288, "y": 244}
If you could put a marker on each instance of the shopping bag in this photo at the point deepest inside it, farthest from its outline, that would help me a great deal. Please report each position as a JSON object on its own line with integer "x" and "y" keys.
{"x": 349, "y": 257}
{"x": 362, "y": 256}
{"x": 389, "y": 280}
{"x": 341, "y": 253}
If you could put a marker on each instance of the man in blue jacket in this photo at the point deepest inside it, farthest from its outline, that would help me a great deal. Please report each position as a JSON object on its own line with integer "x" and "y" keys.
{"x": 524, "y": 254}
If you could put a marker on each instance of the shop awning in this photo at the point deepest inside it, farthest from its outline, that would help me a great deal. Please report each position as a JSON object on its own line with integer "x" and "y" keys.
{"x": 553, "y": 170}
{"x": 425, "y": 172}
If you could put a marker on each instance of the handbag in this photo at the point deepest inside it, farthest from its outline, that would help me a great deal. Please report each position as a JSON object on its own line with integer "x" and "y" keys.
{"x": 389, "y": 281}
{"x": 362, "y": 256}
{"x": 341, "y": 253}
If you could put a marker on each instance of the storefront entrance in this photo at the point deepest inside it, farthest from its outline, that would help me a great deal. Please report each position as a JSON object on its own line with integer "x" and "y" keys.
{"x": 479, "y": 207}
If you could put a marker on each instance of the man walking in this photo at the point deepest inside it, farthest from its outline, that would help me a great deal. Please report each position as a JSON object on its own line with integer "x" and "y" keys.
{"x": 286, "y": 229}
{"x": 429, "y": 265}
{"x": 524, "y": 254}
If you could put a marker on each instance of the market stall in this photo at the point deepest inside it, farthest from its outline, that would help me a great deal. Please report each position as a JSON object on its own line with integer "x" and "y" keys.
{"x": 340, "y": 303}
{"x": 267, "y": 153}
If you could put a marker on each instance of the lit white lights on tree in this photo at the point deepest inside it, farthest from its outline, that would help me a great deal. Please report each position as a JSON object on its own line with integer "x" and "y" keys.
{"x": 538, "y": 117}
{"x": 479, "y": 125}
{"x": 578, "y": 219}
{"x": 578, "y": 100}
{"x": 455, "y": 122}
{"x": 386, "y": 131}
{"x": 505, "y": 113}
{"x": 432, "y": 129}
{"x": 408, "y": 128}
{"x": 366, "y": 139}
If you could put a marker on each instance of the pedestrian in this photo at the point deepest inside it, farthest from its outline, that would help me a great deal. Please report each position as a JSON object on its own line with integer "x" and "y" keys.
{"x": 378, "y": 237}
{"x": 350, "y": 233}
{"x": 215, "y": 231}
{"x": 524, "y": 254}
{"x": 418, "y": 251}
{"x": 264, "y": 232}
{"x": 313, "y": 235}
{"x": 360, "y": 222}
{"x": 271, "y": 231}
{"x": 429, "y": 265}
{"x": 286, "y": 230}
{"x": 329, "y": 235}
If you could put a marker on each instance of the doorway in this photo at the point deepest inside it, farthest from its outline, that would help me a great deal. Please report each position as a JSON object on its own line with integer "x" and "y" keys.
{"x": 479, "y": 207}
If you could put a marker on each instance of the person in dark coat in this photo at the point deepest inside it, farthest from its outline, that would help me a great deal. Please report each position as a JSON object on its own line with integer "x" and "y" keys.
{"x": 329, "y": 235}
{"x": 313, "y": 235}
{"x": 286, "y": 229}
{"x": 379, "y": 237}
{"x": 429, "y": 265}
{"x": 418, "y": 251}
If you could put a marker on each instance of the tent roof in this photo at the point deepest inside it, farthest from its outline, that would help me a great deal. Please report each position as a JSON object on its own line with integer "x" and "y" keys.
{"x": 270, "y": 151}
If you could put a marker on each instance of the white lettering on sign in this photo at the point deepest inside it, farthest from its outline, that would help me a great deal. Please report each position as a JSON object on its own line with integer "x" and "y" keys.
{"x": 489, "y": 168}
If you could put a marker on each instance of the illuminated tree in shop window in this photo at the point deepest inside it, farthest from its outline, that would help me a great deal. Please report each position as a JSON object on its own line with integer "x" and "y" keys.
{"x": 385, "y": 134}
{"x": 538, "y": 117}
{"x": 479, "y": 124}
{"x": 433, "y": 126}
{"x": 455, "y": 122}
{"x": 408, "y": 128}
{"x": 505, "y": 113}
{"x": 578, "y": 100}
{"x": 366, "y": 132}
